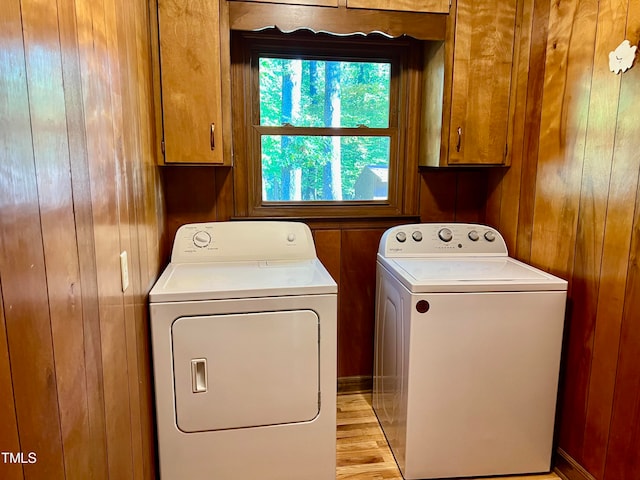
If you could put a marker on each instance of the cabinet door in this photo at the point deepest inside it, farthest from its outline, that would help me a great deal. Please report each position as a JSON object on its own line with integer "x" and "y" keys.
{"x": 425, "y": 6}
{"x": 481, "y": 88}
{"x": 317, "y": 3}
{"x": 191, "y": 84}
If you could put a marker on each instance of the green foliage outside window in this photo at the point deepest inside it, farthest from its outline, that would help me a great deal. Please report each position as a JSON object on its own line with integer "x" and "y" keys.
{"x": 305, "y": 165}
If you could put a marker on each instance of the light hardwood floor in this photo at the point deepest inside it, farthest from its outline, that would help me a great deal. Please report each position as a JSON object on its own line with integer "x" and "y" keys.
{"x": 363, "y": 453}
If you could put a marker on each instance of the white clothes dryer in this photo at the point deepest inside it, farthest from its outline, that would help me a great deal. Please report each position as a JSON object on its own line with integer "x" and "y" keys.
{"x": 243, "y": 324}
{"x": 467, "y": 353}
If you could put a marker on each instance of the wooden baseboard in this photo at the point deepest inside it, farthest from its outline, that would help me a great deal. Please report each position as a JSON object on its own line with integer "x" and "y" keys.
{"x": 568, "y": 468}
{"x": 358, "y": 384}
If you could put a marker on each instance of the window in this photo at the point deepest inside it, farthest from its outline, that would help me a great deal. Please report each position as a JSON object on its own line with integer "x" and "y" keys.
{"x": 321, "y": 133}
{"x": 324, "y": 129}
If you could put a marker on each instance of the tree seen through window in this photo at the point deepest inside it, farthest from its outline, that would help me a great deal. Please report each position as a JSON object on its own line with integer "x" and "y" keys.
{"x": 322, "y": 129}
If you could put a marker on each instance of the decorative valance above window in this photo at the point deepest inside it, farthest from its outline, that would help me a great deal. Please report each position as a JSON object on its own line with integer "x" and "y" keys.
{"x": 254, "y": 16}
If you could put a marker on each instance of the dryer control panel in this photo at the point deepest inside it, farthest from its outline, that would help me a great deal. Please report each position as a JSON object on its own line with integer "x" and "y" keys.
{"x": 442, "y": 239}
{"x": 243, "y": 241}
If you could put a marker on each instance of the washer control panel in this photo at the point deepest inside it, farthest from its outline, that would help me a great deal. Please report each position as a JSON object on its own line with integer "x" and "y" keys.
{"x": 242, "y": 241}
{"x": 442, "y": 239}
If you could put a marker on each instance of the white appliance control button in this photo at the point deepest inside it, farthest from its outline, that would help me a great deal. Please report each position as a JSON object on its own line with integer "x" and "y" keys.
{"x": 489, "y": 236}
{"x": 473, "y": 236}
{"x": 417, "y": 236}
{"x": 445, "y": 234}
{"x": 201, "y": 239}
{"x": 401, "y": 237}
{"x": 291, "y": 237}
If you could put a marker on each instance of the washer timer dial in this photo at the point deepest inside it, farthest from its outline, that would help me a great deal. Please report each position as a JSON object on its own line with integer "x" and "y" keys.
{"x": 201, "y": 239}
{"x": 445, "y": 234}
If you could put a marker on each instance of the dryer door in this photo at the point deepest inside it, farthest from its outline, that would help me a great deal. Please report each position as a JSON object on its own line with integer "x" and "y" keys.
{"x": 245, "y": 370}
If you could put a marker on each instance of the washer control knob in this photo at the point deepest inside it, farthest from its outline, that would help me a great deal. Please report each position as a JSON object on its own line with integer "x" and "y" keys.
{"x": 489, "y": 236}
{"x": 417, "y": 236}
{"x": 401, "y": 237}
{"x": 202, "y": 239}
{"x": 445, "y": 235}
{"x": 473, "y": 236}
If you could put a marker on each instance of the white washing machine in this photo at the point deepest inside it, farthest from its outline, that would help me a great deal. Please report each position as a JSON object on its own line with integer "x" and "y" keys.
{"x": 467, "y": 353}
{"x": 243, "y": 324}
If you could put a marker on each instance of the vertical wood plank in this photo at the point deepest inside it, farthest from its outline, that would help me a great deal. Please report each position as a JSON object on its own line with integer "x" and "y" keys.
{"x": 190, "y": 194}
{"x": 492, "y": 211}
{"x": 51, "y": 156}
{"x": 569, "y": 65}
{"x": 471, "y": 194}
{"x": 564, "y": 119}
{"x": 328, "y": 249}
{"x": 527, "y": 181}
{"x": 95, "y": 446}
{"x": 505, "y": 195}
{"x": 624, "y": 437}
{"x": 97, "y": 85}
{"x": 22, "y": 267}
{"x": 118, "y": 24}
{"x": 357, "y": 301}
{"x": 617, "y": 343}
{"x": 9, "y": 440}
{"x": 609, "y": 186}
{"x": 224, "y": 193}
{"x": 149, "y": 191}
{"x": 438, "y": 195}
{"x": 149, "y": 215}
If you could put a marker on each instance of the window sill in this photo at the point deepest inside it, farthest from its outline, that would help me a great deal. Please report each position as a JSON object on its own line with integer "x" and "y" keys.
{"x": 340, "y": 222}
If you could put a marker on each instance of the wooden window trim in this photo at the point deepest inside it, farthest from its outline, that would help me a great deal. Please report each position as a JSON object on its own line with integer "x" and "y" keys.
{"x": 403, "y": 184}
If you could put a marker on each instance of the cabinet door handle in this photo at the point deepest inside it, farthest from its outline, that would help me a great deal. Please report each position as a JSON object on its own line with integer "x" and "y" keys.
{"x": 459, "y": 143}
{"x": 212, "y": 138}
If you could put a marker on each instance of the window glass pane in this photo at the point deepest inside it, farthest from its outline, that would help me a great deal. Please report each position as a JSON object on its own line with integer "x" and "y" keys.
{"x": 320, "y": 93}
{"x": 324, "y": 168}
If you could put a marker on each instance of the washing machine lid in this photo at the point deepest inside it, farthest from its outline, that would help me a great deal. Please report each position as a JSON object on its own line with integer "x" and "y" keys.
{"x": 229, "y": 280}
{"x": 469, "y": 274}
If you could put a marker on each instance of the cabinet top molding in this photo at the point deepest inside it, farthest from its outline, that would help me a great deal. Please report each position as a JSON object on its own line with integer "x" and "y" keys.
{"x": 253, "y": 16}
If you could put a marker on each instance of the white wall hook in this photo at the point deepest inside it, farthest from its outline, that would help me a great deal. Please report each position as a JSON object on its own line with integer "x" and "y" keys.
{"x": 621, "y": 59}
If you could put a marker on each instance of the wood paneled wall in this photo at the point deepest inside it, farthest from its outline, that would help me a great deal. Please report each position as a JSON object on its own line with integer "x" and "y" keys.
{"x": 78, "y": 185}
{"x": 570, "y": 205}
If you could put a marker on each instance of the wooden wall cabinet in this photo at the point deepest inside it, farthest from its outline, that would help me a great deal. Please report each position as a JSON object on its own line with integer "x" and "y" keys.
{"x": 316, "y": 3}
{"x": 192, "y": 66}
{"x": 422, "y": 6}
{"x": 468, "y": 87}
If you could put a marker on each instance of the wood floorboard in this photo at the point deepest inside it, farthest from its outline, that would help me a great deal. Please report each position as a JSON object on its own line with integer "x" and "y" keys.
{"x": 362, "y": 450}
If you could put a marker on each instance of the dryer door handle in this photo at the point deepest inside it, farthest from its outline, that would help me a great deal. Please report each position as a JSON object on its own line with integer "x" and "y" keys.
{"x": 199, "y": 375}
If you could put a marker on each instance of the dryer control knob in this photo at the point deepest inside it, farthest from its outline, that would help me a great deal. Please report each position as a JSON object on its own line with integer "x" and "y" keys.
{"x": 202, "y": 239}
{"x": 401, "y": 237}
{"x": 473, "y": 236}
{"x": 445, "y": 235}
{"x": 417, "y": 236}
{"x": 489, "y": 236}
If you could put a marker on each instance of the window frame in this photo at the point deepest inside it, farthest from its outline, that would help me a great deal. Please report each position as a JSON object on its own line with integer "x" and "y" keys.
{"x": 247, "y": 47}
